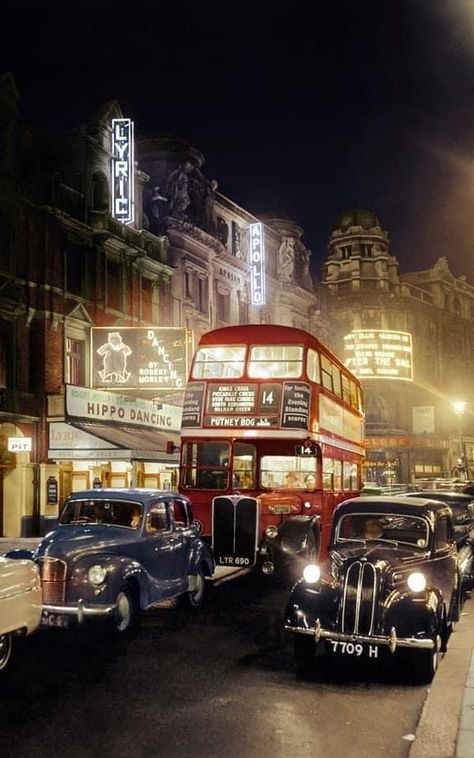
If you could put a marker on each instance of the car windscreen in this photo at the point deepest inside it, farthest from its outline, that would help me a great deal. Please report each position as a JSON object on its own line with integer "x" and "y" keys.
{"x": 103, "y": 511}
{"x": 383, "y": 527}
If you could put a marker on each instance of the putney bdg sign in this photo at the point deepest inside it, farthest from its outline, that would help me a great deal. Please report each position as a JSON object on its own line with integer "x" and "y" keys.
{"x": 122, "y": 170}
{"x": 257, "y": 260}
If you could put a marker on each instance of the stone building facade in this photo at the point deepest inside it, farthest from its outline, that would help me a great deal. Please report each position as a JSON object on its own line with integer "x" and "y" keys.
{"x": 412, "y": 430}
{"x": 68, "y": 267}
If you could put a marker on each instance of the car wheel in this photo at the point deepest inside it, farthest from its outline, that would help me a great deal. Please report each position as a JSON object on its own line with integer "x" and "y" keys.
{"x": 6, "y": 644}
{"x": 126, "y": 615}
{"x": 304, "y": 649}
{"x": 426, "y": 663}
{"x": 196, "y": 595}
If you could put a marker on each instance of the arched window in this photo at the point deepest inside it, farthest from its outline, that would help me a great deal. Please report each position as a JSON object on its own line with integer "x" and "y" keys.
{"x": 100, "y": 193}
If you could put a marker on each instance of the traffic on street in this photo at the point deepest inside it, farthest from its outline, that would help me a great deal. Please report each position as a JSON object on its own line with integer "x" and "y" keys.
{"x": 220, "y": 683}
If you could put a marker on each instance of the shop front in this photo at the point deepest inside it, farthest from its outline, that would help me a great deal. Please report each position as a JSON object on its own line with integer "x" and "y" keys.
{"x": 110, "y": 440}
{"x": 395, "y": 460}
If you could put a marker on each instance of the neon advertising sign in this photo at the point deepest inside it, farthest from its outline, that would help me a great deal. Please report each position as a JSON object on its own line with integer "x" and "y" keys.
{"x": 122, "y": 170}
{"x": 379, "y": 354}
{"x": 257, "y": 260}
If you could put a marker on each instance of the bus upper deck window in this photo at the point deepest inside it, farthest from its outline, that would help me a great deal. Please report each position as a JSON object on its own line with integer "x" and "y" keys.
{"x": 219, "y": 362}
{"x": 275, "y": 361}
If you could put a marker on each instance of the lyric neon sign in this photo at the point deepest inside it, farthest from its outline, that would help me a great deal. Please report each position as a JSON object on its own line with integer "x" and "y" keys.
{"x": 122, "y": 170}
{"x": 257, "y": 260}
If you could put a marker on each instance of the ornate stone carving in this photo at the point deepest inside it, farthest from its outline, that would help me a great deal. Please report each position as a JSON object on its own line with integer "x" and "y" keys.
{"x": 286, "y": 259}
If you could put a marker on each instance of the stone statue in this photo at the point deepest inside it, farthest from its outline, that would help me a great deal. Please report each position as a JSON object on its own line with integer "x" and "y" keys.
{"x": 177, "y": 190}
{"x": 305, "y": 255}
{"x": 286, "y": 259}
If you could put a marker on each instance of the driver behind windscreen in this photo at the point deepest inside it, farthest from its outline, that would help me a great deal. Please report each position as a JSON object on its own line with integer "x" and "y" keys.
{"x": 372, "y": 529}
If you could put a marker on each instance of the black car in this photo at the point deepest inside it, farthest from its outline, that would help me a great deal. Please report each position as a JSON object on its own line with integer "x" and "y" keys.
{"x": 462, "y": 506}
{"x": 391, "y": 585}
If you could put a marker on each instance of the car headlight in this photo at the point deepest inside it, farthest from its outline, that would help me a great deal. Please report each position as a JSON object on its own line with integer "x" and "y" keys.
{"x": 417, "y": 581}
{"x": 311, "y": 573}
{"x": 96, "y": 575}
{"x": 271, "y": 532}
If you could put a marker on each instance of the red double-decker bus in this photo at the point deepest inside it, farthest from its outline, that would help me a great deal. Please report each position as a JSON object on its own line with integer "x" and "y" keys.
{"x": 271, "y": 441}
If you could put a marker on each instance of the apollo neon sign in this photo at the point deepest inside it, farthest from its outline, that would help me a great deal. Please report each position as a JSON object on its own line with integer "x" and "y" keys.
{"x": 257, "y": 261}
{"x": 122, "y": 170}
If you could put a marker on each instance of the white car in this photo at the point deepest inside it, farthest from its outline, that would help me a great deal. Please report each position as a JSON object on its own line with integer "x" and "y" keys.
{"x": 20, "y": 602}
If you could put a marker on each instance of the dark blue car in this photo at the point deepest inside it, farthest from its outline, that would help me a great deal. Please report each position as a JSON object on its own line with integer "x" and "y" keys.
{"x": 116, "y": 552}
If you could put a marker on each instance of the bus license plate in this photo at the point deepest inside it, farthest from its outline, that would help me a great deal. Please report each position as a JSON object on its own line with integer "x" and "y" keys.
{"x": 353, "y": 649}
{"x": 233, "y": 560}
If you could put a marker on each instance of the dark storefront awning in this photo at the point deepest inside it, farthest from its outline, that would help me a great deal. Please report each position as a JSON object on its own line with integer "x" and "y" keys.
{"x": 135, "y": 442}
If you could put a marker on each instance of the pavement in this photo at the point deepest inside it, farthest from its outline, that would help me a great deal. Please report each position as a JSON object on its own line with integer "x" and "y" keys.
{"x": 446, "y": 725}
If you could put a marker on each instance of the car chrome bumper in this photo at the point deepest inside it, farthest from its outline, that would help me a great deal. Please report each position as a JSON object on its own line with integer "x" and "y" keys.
{"x": 391, "y": 641}
{"x": 80, "y": 610}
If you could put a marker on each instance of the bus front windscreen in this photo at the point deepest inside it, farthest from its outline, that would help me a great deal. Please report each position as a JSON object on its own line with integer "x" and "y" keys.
{"x": 206, "y": 465}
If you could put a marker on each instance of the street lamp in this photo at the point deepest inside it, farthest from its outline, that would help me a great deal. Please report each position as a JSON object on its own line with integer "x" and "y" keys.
{"x": 459, "y": 407}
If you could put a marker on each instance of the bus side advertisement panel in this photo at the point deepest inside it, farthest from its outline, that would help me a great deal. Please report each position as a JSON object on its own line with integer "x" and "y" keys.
{"x": 334, "y": 418}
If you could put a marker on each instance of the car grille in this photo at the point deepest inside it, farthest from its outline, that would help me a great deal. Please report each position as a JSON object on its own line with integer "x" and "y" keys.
{"x": 235, "y": 530}
{"x": 359, "y": 598}
{"x": 53, "y": 580}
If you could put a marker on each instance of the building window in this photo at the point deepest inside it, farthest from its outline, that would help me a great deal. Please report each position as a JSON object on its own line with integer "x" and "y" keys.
{"x": 243, "y": 312}
{"x": 346, "y": 251}
{"x": 115, "y": 285}
{"x": 75, "y": 361}
{"x": 100, "y": 193}
{"x": 146, "y": 299}
{"x": 188, "y": 284}
{"x": 222, "y": 303}
{"x": 201, "y": 299}
{"x": 80, "y": 270}
{"x": 3, "y": 361}
{"x": 366, "y": 250}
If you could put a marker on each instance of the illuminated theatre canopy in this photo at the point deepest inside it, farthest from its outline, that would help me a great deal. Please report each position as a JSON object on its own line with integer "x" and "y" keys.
{"x": 379, "y": 354}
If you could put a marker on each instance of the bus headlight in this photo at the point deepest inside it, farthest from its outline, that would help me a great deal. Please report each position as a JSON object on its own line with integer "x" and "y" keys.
{"x": 96, "y": 575}
{"x": 271, "y": 532}
{"x": 311, "y": 573}
{"x": 417, "y": 581}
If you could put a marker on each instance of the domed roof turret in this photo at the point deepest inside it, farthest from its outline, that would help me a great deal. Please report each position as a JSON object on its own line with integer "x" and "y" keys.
{"x": 356, "y": 217}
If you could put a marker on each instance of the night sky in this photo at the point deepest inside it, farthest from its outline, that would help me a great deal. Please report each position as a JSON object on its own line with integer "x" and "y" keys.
{"x": 302, "y": 112}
